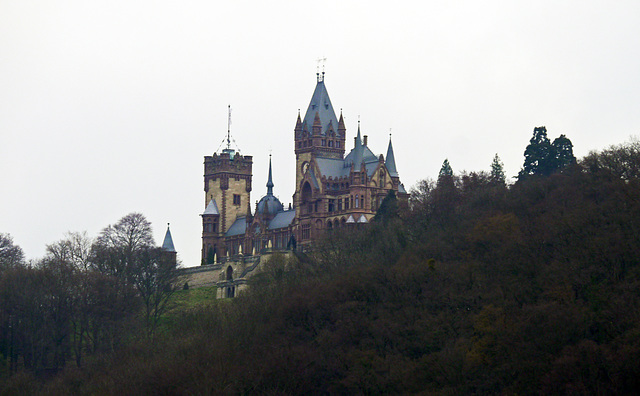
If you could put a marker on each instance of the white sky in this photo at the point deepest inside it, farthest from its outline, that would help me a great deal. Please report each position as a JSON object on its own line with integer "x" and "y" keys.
{"x": 108, "y": 107}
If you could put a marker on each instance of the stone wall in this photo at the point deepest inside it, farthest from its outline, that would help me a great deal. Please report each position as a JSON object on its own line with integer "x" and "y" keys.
{"x": 230, "y": 276}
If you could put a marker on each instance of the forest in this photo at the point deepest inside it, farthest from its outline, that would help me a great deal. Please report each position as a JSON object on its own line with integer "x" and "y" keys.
{"x": 473, "y": 286}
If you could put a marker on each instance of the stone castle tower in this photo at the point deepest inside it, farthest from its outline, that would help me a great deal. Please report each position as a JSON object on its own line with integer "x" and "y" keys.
{"x": 334, "y": 190}
{"x": 227, "y": 182}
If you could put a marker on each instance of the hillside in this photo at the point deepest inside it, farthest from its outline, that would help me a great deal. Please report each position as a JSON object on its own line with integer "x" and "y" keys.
{"x": 474, "y": 287}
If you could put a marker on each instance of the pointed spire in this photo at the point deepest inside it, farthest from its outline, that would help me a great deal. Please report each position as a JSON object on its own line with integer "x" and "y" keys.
{"x": 317, "y": 124}
{"x": 341, "y": 127}
{"x": 319, "y": 107}
{"x": 270, "y": 181}
{"x": 167, "y": 245}
{"x": 390, "y": 161}
{"x": 358, "y": 151}
{"x": 298, "y": 127}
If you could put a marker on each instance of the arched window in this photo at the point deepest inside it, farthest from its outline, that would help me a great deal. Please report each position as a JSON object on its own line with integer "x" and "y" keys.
{"x": 229, "y": 273}
{"x": 357, "y": 201}
{"x": 306, "y": 198}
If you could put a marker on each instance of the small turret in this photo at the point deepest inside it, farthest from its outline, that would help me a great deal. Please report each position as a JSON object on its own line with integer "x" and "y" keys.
{"x": 342, "y": 129}
{"x": 317, "y": 124}
{"x": 390, "y": 161}
{"x": 358, "y": 152}
{"x": 167, "y": 244}
{"x": 168, "y": 250}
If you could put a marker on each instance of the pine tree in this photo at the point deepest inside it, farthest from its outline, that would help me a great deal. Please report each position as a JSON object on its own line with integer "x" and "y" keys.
{"x": 563, "y": 152}
{"x": 445, "y": 170}
{"x": 497, "y": 171}
{"x": 537, "y": 155}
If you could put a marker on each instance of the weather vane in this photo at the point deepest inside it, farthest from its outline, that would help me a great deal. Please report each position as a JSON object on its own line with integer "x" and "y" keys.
{"x": 319, "y": 61}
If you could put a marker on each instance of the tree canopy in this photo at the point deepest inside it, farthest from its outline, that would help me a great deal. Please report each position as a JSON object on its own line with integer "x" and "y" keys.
{"x": 542, "y": 158}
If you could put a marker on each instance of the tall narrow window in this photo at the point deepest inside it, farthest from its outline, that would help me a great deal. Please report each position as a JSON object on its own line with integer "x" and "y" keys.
{"x": 306, "y": 231}
{"x": 236, "y": 199}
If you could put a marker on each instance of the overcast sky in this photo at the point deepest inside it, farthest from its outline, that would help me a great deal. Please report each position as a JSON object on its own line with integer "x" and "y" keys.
{"x": 108, "y": 107}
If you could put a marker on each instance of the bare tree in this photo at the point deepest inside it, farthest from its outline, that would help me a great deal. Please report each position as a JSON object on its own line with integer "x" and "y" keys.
{"x": 114, "y": 250}
{"x": 130, "y": 233}
{"x": 126, "y": 250}
{"x": 75, "y": 248}
{"x": 155, "y": 280}
{"x": 10, "y": 254}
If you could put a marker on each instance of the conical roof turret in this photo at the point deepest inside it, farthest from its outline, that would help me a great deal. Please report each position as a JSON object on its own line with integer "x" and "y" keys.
{"x": 390, "y": 160}
{"x": 320, "y": 107}
{"x": 212, "y": 208}
{"x": 167, "y": 244}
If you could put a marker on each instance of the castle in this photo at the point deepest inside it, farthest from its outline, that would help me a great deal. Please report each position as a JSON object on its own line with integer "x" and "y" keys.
{"x": 332, "y": 190}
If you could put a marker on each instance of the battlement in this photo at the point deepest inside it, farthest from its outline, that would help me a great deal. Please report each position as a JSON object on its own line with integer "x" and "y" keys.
{"x": 228, "y": 162}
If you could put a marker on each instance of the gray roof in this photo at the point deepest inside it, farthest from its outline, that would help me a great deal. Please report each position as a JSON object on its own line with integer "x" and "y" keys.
{"x": 371, "y": 168}
{"x": 238, "y": 227}
{"x": 362, "y": 219}
{"x": 367, "y": 156}
{"x": 314, "y": 179}
{"x": 332, "y": 167}
{"x": 390, "y": 160}
{"x": 167, "y": 244}
{"x": 351, "y": 219}
{"x": 269, "y": 204}
{"x": 401, "y": 189}
{"x": 321, "y": 104}
{"x": 282, "y": 220}
{"x": 212, "y": 208}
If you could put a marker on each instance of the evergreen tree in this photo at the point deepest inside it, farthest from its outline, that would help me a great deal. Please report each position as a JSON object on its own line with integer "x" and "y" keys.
{"x": 563, "y": 152}
{"x": 388, "y": 209}
{"x": 445, "y": 170}
{"x": 537, "y": 155}
{"x": 497, "y": 171}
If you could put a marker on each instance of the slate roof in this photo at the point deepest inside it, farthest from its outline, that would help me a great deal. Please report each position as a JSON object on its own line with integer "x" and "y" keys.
{"x": 282, "y": 220}
{"x": 212, "y": 208}
{"x": 390, "y": 160}
{"x": 332, "y": 167}
{"x": 269, "y": 203}
{"x": 238, "y": 227}
{"x": 321, "y": 104}
{"x": 167, "y": 244}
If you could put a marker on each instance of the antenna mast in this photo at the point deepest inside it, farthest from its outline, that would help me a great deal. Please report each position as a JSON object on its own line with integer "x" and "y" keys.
{"x": 229, "y": 130}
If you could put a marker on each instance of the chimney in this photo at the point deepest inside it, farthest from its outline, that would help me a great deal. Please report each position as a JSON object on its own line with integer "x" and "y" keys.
{"x": 365, "y": 140}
